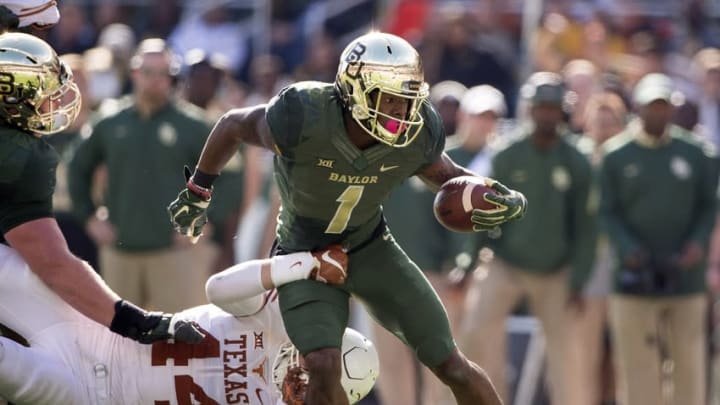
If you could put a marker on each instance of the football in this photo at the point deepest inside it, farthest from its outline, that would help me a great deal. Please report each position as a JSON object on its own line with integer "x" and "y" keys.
{"x": 330, "y": 265}
{"x": 456, "y": 199}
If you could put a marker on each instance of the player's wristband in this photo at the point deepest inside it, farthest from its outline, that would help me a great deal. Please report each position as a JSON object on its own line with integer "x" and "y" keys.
{"x": 200, "y": 183}
{"x": 204, "y": 193}
{"x": 128, "y": 319}
{"x": 202, "y": 179}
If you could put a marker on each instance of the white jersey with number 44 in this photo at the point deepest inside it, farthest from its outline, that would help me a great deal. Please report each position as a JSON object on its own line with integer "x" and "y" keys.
{"x": 73, "y": 360}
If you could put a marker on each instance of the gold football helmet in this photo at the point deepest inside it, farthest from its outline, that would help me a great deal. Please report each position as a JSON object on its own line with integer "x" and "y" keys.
{"x": 378, "y": 64}
{"x": 37, "y": 93}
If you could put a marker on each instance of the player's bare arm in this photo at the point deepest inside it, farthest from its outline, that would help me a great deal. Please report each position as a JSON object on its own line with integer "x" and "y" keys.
{"x": 237, "y": 126}
{"x": 44, "y": 373}
{"x": 442, "y": 170}
{"x": 71, "y": 278}
{"x": 188, "y": 212}
{"x": 28, "y": 224}
{"x": 78, "y": 284}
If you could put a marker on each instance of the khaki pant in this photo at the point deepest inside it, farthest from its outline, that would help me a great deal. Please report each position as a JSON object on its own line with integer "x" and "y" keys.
{"x": 714, "y": 396}
{"x": 587, "y": 332}
{"x": 660, "y": 349}
{"x": 167, "y": 280}
{"x": 483, "y": 334}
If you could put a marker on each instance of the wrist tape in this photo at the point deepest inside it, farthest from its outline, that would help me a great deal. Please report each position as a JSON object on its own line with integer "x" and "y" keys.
{"x": 128, "y": 319}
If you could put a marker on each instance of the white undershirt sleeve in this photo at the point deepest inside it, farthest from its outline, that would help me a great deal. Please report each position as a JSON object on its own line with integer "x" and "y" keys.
{"x": 238, "y": 289}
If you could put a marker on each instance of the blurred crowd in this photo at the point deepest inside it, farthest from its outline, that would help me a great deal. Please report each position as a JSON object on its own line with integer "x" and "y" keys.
{"x": 597, "y": 77}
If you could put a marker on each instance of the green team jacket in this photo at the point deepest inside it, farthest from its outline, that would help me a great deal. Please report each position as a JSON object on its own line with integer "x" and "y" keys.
{"x": 559, "y": 228}
{"x": 144, "y": 159}
{"x": 657, "y": 198}
{"x": 27, "y": 178}
{"x": 331, "y": 192}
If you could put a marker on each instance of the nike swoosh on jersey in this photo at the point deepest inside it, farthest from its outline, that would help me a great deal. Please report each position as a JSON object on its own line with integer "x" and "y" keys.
{"x": 384, "y": 168}
{"x": 257, "y": 393}
{"x": 297, "y": 263}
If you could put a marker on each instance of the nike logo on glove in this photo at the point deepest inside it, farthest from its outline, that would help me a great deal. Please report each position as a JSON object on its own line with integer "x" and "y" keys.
{"x": 183, "y": 210}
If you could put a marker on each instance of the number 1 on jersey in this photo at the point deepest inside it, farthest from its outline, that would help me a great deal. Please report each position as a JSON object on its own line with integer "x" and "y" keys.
{"x": 348, "y": 200}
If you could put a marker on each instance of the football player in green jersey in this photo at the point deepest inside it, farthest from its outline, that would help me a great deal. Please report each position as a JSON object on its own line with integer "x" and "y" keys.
{"x": 38, "y": 97}
{"x": 339, "y": 150}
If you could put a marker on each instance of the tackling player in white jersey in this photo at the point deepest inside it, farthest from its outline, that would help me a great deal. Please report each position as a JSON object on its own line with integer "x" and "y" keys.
{"x": 73, "y": 360}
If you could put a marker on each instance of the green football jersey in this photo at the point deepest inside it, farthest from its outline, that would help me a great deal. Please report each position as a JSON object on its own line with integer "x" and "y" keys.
{"x": 332, "y": 191}
{"x": 27, "y": 178}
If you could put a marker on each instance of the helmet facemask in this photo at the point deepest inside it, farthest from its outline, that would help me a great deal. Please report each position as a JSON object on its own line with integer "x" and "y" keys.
{"x": 59, "y": 109}
{"x": 388, "y": 129}
{"x": 288, "y": 357}
{"x": 289, "y": 377}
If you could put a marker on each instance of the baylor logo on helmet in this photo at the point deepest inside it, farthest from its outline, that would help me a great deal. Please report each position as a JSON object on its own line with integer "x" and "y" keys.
{"x": 355, "y": 53}
{"x": 7, "y": 85}
{"x": 353, "y": 60}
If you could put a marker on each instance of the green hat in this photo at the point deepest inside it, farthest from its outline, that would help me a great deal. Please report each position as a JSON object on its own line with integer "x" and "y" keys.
{"x": 544, "y": 88}
{"x": 652, "y": 87}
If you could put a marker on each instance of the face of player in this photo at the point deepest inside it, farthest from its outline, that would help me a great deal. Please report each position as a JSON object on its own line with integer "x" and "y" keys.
{"x": 295, "y": 383}
{"x": 59, "y": 110}
{"x": 51, "y": 104}
{"x": 391, "y": 106}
